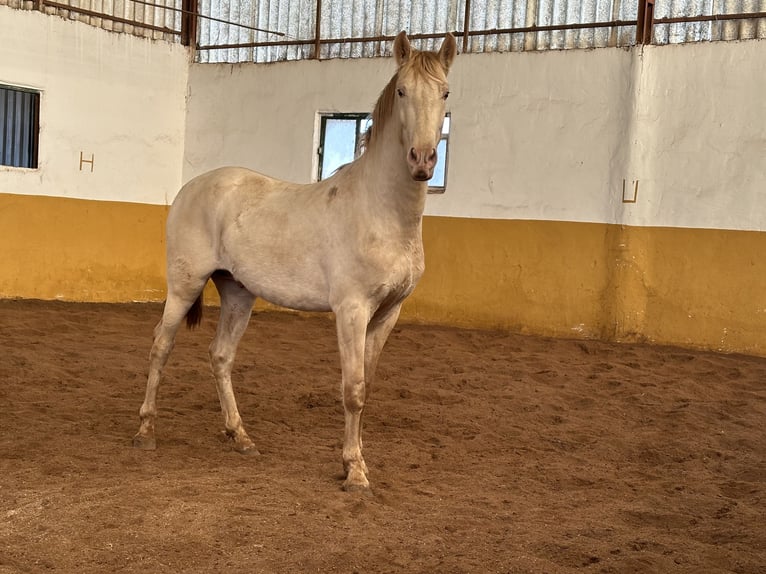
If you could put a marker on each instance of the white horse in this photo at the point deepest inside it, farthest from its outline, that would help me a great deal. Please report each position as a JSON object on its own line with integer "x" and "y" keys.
{"x": 351, "y": 244}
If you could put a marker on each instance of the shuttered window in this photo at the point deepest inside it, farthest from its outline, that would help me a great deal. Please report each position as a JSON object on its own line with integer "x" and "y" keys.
{"x": 19, "y": 126}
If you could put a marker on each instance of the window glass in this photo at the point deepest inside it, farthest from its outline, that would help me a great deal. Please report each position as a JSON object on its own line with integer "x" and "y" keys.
{"x": 339, "y": 144}
{"x": 439, "y": 172}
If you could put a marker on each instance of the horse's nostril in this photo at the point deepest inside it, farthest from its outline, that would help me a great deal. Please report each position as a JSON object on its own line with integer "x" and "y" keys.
{"x": 432, "y": 156}
{"x": 413, "y": 155}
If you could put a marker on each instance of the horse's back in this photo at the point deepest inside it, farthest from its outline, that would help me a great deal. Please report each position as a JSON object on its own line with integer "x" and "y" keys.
{"x": 213, "y": 198}
{"x": 214, "y": 185}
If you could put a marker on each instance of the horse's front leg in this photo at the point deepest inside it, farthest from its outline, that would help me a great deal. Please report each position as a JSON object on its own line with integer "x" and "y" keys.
{"x": 377, "y": 334}
{"x": 351, "y": 320}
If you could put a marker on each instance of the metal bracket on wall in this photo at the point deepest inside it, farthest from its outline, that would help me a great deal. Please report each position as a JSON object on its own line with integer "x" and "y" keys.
{"x": 626, "y": 199}
{"x": 645, "y": 24}
{"x": 91, "y": 161}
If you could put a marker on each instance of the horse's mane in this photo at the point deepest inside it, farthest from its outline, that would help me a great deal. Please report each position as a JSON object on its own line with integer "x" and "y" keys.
{"x": 426, "y": 64}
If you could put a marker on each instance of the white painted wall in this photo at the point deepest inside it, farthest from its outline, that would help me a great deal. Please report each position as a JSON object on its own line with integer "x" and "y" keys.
{"x": 539, "y": 135}
{"x": 115, "y": 97}
{"x": 700, "y": 152}
{"x": 548, "y": 135}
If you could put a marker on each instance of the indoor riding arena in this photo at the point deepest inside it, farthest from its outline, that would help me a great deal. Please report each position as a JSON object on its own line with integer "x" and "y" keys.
{"x": 577, "y": 382}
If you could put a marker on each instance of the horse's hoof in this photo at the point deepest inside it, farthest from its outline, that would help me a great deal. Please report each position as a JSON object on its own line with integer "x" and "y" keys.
{"x": 144, "y": 442}
{"x": 357, "y": 488}
{"x": 241, "y": 445}
{"x": 356, "y": 482}
{"x": 247, "y": 449}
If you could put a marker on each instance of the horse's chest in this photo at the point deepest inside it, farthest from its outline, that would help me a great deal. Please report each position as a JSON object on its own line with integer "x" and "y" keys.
{"x": 401, "y": 274}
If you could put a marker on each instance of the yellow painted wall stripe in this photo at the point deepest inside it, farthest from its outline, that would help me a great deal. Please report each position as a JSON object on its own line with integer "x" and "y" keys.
{"x": 694, "y": 287}
{"x": 73, "y": 249}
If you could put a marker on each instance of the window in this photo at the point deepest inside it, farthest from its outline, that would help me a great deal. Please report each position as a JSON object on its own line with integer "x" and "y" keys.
{"x": 339, "y": 139}
{"x": 439, "y": 180}
{"x": 341, "y": 134}
{"x": 19, "y": 126}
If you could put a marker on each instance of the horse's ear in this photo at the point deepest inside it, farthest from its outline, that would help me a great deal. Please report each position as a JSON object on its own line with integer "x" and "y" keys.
{"x": 402, "y": 48}
{"x": 448, "y": 51}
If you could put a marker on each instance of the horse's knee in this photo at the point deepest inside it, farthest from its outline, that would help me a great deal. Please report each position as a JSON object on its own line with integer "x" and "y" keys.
{"x": 354, "y": 395}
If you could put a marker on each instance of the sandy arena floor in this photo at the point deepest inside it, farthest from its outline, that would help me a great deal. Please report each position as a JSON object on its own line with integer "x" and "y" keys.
{"x": 488, "y": 452}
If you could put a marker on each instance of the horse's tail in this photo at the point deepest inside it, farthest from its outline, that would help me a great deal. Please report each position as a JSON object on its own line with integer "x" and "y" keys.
{"x": 194, "y": 315}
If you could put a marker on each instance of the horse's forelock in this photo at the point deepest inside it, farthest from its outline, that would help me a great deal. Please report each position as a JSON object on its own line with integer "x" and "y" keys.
{"x": 427, "y": 64}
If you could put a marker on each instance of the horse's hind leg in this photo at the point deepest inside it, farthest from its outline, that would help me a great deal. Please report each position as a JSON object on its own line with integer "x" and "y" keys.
{"x": 176, "y": 308}
{"x": 236, "y": 308}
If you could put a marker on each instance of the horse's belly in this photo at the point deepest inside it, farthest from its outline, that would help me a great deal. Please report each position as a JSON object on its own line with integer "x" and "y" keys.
{"x": 298, "y": 301}
{"x": 294, "y": 289}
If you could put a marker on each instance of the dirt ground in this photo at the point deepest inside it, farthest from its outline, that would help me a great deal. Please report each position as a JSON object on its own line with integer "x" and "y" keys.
{"x": 488, "y": 452}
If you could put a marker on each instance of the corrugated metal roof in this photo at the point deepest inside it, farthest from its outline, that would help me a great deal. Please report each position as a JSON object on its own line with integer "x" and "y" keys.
{"x": 276, "y": 30}
{"x": 347, "y": 21}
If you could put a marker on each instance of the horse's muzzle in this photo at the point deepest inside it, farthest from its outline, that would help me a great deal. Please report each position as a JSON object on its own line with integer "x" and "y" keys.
{"x": 422, "y": 163}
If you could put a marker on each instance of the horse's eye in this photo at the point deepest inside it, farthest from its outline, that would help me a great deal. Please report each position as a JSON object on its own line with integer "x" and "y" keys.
{"x": 400, "y": 92}
{"x": 446, "y": 95}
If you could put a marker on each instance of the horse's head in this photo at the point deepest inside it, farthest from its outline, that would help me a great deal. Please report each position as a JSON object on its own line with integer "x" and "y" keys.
{"x": 420, "y": 101}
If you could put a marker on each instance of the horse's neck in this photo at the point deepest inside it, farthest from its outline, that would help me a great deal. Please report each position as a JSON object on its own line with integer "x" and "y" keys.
{"x": 392, "y": 191}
